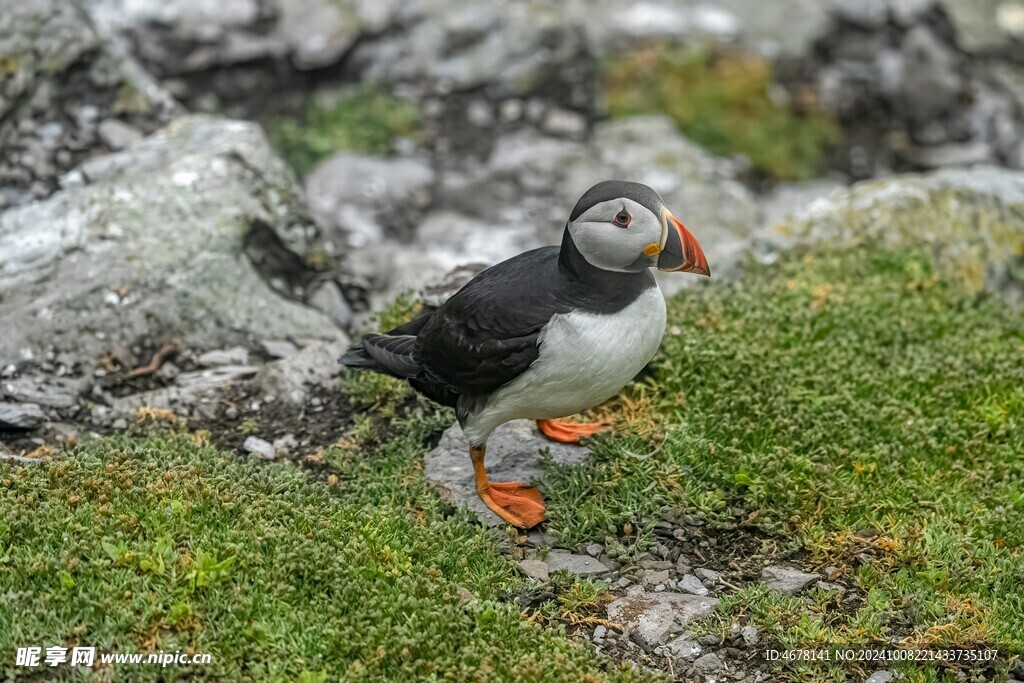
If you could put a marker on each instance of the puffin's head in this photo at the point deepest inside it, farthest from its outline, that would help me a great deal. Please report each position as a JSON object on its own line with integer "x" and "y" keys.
{"x": 625, "y": 227}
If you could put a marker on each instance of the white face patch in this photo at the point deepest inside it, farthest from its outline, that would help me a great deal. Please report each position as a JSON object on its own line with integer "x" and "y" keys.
{"x": 610, "y": 246}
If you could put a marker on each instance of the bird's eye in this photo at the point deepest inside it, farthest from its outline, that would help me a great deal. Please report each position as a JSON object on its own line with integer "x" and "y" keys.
{"x": 622, "y": 218}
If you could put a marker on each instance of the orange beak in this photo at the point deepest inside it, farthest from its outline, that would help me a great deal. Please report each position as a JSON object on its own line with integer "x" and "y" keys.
{"x": 680, "y": 251}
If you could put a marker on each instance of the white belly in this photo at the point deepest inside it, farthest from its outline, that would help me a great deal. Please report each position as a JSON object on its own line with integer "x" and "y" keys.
{"x": 584, "y": 360}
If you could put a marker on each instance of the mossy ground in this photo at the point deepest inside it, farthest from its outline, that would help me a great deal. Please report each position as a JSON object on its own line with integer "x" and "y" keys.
{"x": 849, "y": 402}
{"x": 726, "y": 102}
{"x": 365, "y": 119}
{"x": 853, "y": 403}
{"x": 160, "y": 542}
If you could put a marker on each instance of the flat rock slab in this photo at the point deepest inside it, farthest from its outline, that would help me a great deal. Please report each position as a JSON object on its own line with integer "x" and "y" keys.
{"x": 787, "y": 579}
{"x": 573, "y": 563}
{"x": 513, "y": 454}
{"x": 650, "y": 618}
{"x": 20, "y": 415}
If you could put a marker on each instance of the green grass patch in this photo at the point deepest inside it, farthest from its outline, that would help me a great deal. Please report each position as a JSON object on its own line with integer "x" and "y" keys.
{"x": 726, "y": 102}
{"x": 162, "y": 542}
{"x": 365, "y": 120}
{"x": 852, "y": 401}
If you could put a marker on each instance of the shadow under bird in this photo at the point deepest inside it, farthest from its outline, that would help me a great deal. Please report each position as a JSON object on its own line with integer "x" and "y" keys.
{"x": 546, "y": 334}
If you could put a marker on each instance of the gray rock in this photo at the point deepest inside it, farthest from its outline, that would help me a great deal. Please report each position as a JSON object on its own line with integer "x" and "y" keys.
{"x": 118, "y": 134}
{"x": 978, "y": 23}
{"x": 191, "y": 35}
{"x": 938, "y": 82}
{"x": 786, "y": 199}
{"x": 279, "y": 348}
{"x": 650, "y": 618}
{"x": 329, "y": 299}
{"x": 574, "y": 564}
{"x": 53, "y": 392}
{"x": 684, "y": 647}
{"x": 970, "y": 220}
{"x": 201, "y": 380}
{"x": 787, "y": 579}
{"x": 750, "y": 635}
{"x": 865, "y": 13}
{"x": 190, "y": 389}
{"x": 52, "y": 55}
{"x": 237, "y": 355}
{"x": 691, "y": 584}
{"x": 599, "y": 633}
{"x": 260, "y": 447}
{"x": 513, "y": 454}
{"x": 316, "y": 366}
{"x": 953, "y": 154}
{"x": 705, "y": 574}
{"x": 562, "y": 122}
{"x": 358, "y": 200}
{"x": 175, "y": 225}
{"x": 20, "y": 415}
{"x": 653, "y": 577}
{"x": 511, "y": 48}
{"x": 535, "y": 569}
{"x": 880, "y": 677}
{"x": 708, "y": 663}
{"x": 594, "y": 549}
{"x": 285, "y": 444}
{"x": 656, "y": 565}
{"x": 788, "y": 29}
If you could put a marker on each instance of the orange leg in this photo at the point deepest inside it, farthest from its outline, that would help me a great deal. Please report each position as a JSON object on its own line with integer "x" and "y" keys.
{"x": 516, "y": 503}
{"x": 569, "y": 432}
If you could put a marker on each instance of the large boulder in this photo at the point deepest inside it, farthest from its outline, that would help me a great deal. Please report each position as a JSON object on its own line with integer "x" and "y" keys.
{"x": 520, "y": 197}
{"x": 187, "y": 36}
{"x": 899, "y": 65}
{"x": 971, "y": 220}
{"x": 65, "y": 95}
{"x": 197, "y": 233}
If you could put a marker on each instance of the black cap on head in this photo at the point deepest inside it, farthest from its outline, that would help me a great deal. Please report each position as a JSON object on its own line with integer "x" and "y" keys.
{"x": 615, "y": 189}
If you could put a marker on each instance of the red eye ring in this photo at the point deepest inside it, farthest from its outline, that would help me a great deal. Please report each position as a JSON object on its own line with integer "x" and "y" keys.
{"x": 622, "y": 218}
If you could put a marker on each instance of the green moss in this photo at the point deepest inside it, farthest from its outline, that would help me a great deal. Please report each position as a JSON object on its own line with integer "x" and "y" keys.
{"x": 164, "y": 543}
{"x": 851, "y": 400}
{"x": 723, "y": 101}
{"x": 366, "y": 120}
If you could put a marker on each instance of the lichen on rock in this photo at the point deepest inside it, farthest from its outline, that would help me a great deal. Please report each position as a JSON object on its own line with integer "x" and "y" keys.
{"x": 972, "y": 221}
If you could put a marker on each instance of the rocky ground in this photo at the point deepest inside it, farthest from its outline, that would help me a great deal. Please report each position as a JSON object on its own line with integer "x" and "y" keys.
{"x": 159, "y": 261}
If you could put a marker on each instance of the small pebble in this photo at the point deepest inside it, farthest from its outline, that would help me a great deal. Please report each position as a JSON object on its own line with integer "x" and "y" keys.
{"x": 258, "y": 446}
{"x": 691, "y": 584}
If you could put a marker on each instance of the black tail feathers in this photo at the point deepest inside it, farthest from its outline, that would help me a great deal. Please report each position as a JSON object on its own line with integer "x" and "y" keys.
{"x": 390, "y": 354}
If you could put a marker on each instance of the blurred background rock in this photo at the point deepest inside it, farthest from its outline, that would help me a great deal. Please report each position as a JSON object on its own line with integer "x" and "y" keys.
{"x": 142, "y": 203}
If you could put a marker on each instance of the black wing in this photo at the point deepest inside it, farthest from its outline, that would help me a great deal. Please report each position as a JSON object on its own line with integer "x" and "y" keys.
{"x": 486, "y": 335}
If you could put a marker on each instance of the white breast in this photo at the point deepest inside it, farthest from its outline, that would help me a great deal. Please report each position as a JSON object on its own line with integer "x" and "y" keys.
{"x": 585, "y": 358}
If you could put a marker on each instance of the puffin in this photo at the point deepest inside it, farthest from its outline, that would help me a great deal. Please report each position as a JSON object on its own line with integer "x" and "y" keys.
{"x": 546, "y": 334}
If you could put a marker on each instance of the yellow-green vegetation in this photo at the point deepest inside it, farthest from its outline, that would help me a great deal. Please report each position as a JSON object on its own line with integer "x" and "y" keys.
{"x": 975, "y": 240}
{"x": 162, "y": 542}
{"x": 727, "y": 103}
{"x": 366, "y": 119}
{"x": 855, "y": 402}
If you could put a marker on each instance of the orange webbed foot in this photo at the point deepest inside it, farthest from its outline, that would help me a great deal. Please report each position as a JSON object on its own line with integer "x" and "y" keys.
{"x": 516, "y": 503}
{"x": 569, "y": 432}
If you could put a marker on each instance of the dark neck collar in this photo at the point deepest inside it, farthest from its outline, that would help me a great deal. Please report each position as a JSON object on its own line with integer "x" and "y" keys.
{"x": 578, "y": 269}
